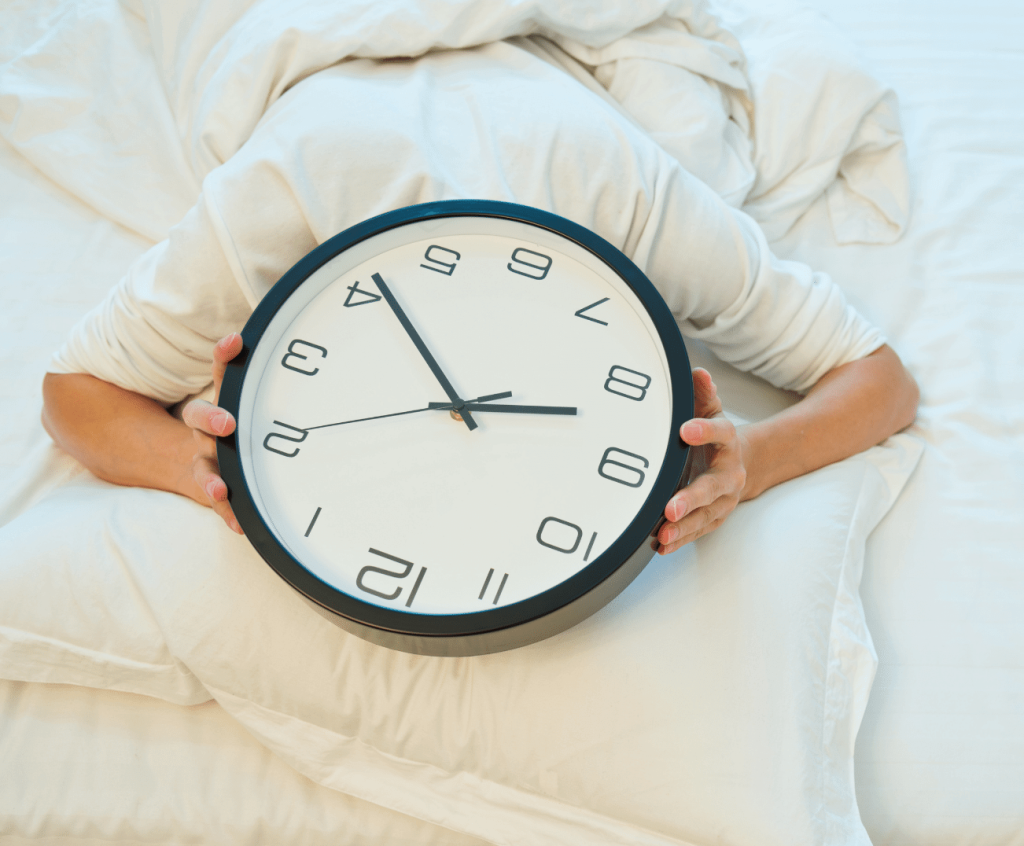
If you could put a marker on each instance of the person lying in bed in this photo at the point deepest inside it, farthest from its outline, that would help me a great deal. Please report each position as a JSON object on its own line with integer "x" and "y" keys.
{"x": 365, "y": 137}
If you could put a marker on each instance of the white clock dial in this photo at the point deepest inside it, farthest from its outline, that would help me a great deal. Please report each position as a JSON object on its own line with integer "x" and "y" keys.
{"x": 371, "y": 507}
{"x": 450, "y": 414}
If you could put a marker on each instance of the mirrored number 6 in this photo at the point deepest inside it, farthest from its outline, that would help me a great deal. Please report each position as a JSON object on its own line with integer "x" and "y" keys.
{"x": 532, "y": 269}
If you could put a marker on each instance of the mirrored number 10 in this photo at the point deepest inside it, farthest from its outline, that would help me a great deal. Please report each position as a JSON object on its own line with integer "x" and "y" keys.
{"x": 555, "y": 533}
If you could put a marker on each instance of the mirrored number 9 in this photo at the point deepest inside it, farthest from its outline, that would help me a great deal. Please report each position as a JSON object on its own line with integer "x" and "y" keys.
{"x": 447, "y": 268}
{"x": 530, "y": 269}
{"x": 626, "y": 471}
{"x": 293, "y": 354}
{"x": 629, "y": 387}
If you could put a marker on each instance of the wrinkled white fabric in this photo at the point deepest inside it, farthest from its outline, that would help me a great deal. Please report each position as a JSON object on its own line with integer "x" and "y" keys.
{"x": 129, "y": 106}
{"x": 364, "y": 137}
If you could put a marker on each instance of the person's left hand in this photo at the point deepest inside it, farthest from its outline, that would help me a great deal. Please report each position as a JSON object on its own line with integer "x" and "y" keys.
{"x": 703, "y": 505}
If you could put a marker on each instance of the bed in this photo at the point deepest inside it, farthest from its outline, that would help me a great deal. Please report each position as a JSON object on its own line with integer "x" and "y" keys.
{"x": 789, "y": 732}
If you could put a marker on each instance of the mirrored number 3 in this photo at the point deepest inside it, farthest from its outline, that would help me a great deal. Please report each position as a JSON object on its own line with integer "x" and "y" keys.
{"x": 293, "y": 353}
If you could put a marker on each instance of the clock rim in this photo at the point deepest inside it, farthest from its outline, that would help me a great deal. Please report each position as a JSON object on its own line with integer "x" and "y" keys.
{"x": 542, "y": 614}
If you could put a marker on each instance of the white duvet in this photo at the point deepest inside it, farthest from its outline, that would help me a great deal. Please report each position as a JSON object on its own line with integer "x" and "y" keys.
{"x": 131, "y": 105}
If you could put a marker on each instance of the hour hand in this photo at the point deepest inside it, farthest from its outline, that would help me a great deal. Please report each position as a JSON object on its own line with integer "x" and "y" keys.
{"x": 507, "y": 409}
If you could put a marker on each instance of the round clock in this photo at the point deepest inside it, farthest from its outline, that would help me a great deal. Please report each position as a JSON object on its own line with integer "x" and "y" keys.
{"x": 457, "y": 426}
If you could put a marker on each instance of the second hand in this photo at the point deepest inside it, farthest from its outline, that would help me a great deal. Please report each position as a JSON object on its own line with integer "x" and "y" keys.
{"x": 488, "y": 398}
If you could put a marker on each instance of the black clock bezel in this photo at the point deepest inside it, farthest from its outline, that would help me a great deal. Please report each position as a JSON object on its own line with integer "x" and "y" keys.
{"x": 507, "y": 626}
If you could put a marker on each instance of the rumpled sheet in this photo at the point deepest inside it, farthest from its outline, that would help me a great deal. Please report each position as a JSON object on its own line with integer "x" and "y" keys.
{"x": 130, "y": 106}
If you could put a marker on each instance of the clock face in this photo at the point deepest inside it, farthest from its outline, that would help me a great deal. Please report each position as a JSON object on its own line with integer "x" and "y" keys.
{"x": 456, "y": 415}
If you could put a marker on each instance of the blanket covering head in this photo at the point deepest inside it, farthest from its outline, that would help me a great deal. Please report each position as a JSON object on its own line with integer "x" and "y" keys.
{"x": 205, "y": 73}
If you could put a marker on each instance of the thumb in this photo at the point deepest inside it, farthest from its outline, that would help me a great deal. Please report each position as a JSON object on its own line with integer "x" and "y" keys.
{"x": 705, "y": 395}
{"x": 226, "y": 349}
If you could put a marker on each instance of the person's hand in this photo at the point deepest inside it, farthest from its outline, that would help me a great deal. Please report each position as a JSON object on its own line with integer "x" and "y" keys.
{"x": 207, "y": 421}
{"x": 719, "y": 473}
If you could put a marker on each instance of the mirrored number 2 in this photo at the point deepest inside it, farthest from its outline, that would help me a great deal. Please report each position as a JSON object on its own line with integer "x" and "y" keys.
{"x": 293, "y": 353}
{"x": 434, "y": 254}
{"x": 632, "y": 386}
{"x": 626, "y": 474}
{"x": 530, "y": 264}
{"x": 289, "y": 438}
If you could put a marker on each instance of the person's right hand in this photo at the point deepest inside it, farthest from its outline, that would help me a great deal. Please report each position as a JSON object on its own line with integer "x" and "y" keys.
{"x": 208, "y": 421}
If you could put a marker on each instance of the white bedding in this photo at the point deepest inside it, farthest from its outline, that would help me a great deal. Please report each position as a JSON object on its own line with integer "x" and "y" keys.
{"x": 939, "y": 759}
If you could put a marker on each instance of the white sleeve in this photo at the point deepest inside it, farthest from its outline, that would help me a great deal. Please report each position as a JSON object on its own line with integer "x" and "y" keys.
{"x": 777, "y": 319}
{"x": 309, "y": 172}
{"x": 154, "y": 332}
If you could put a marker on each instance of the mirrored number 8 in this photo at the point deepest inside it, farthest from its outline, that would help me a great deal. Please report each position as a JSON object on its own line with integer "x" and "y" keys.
{"x": 631, "y": 389}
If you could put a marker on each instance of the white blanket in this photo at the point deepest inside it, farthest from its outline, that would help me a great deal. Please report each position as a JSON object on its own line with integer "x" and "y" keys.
{"x": 191, "y": 81}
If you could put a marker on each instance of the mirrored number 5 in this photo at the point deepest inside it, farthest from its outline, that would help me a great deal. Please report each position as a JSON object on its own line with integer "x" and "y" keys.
{"x": 445, "y": 267}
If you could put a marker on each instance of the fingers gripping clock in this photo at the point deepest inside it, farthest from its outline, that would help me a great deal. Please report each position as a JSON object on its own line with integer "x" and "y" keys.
{"x": 457, "y": 426}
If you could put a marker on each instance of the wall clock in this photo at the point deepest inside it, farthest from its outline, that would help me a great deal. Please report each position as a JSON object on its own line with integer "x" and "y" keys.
{"x": 458, "y": 426}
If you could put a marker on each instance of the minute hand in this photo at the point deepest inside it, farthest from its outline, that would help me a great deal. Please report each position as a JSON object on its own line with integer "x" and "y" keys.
{"x": 435, "y": 368}
{"x": 508, "y": 409}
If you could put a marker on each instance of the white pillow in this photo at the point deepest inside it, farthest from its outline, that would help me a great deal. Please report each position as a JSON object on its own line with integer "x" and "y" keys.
{"x": 715, "y": 701}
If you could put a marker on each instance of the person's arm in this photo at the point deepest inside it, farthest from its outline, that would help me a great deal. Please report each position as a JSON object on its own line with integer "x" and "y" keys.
{"x": 128, "y": 439}
{"x": 851, "y": 408}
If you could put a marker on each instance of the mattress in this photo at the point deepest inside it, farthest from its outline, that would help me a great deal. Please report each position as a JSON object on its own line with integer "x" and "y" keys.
{"x": 940, "y": 755}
